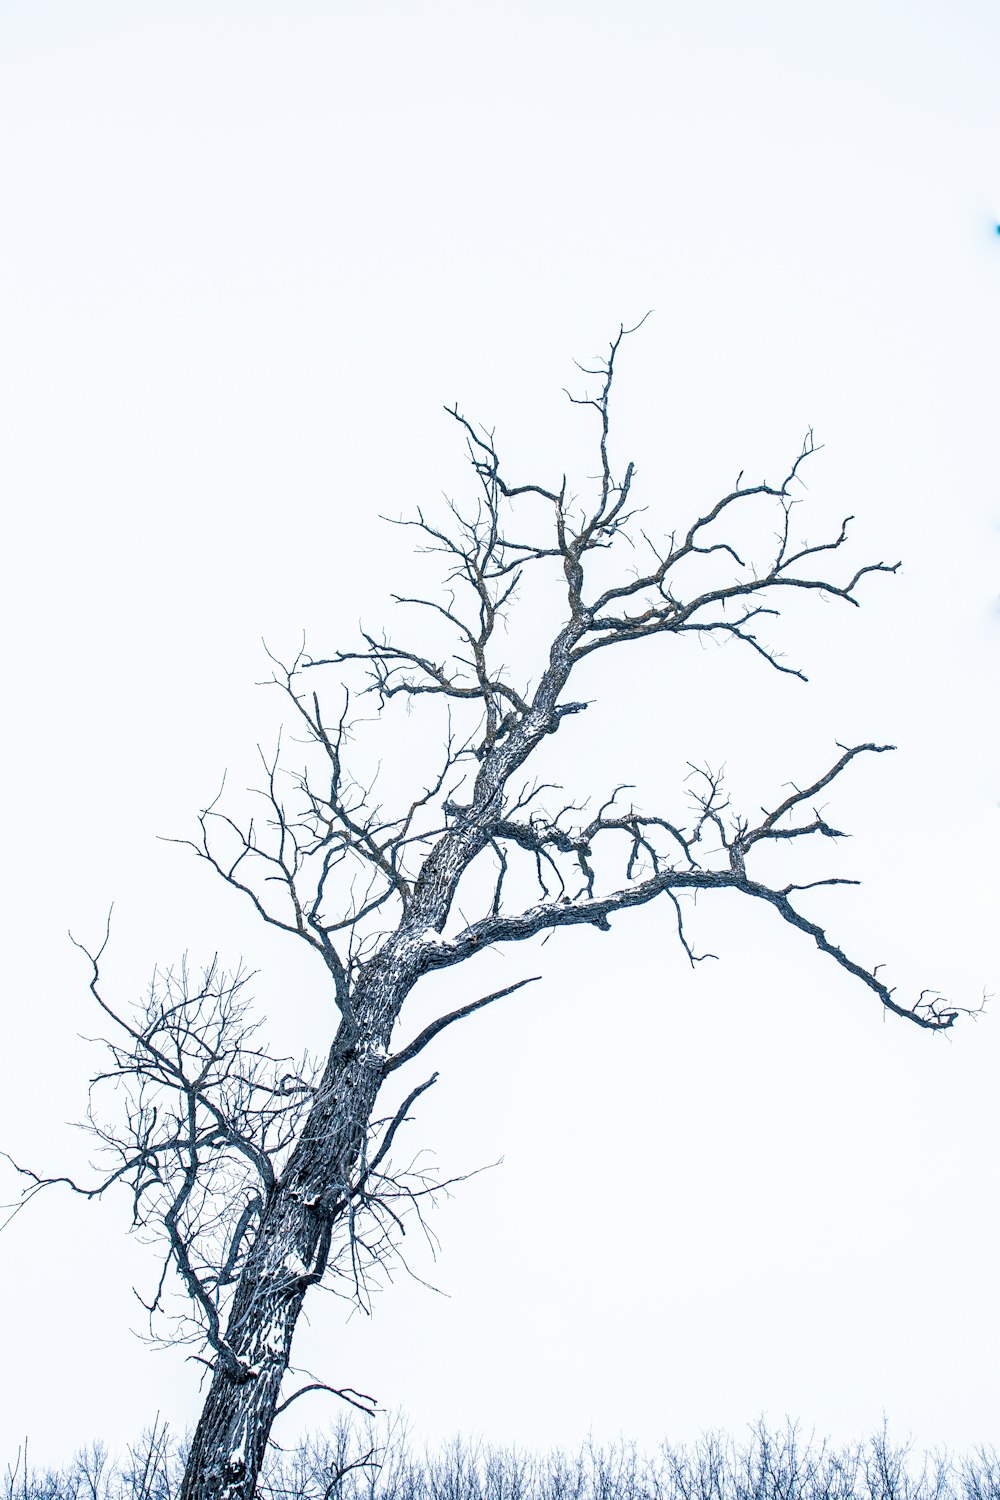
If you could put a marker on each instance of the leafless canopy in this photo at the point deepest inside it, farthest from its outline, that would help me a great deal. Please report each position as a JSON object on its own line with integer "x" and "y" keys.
{"x": 329, "y": 865}
{"x": 262, "y": 1175}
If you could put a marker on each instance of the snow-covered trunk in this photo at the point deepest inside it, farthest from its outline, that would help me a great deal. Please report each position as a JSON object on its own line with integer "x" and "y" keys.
{"x": 290, "y": 1249}
{"x": 287, "y": 1257}
{"x": 235, "y": 1424}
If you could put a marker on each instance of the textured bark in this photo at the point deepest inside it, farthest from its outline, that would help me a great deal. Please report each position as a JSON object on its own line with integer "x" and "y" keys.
{"x": 288, "y": 1256}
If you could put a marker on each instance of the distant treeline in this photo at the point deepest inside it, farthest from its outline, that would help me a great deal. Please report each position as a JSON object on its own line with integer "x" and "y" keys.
{"x": 379, "y": 1462}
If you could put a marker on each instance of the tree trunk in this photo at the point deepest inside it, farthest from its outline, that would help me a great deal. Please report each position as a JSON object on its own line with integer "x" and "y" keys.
{"x": 289, "y": 1253}
{"x": 288, "y": 1256}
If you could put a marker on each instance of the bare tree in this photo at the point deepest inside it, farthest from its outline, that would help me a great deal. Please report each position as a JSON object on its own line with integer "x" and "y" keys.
{"x": 266, "y": 1178}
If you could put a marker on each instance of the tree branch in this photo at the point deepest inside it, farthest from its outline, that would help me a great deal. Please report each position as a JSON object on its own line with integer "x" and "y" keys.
{"x": 430, "y": 1032}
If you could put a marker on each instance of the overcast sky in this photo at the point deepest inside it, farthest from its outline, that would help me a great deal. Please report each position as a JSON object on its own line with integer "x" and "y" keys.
{"x": 248, "y": 251}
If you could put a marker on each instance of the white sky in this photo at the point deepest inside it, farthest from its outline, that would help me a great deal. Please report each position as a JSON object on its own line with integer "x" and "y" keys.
{"x": 247, "y": 253}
